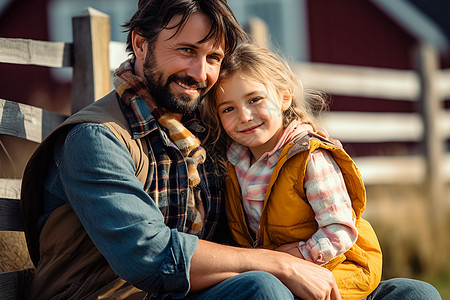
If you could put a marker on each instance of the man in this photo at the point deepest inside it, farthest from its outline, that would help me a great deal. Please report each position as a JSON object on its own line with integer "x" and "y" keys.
{"x": 121, "y": 201}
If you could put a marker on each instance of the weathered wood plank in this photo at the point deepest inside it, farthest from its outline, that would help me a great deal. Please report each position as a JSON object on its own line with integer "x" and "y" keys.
{"x": 10, "y": 215}
{"x": 434, "y": 146}
{"x": 443, "y": 84}
{"x": 117, "y": 54}
{"x": 10, "y": 188}
{"x": 259, "y": 31}
{"x": 380, "y": 127}
{"x": 373, "y": 127}
{"x": 91, "y": 74}
{"x": 51, "y": 54}
{"x": 444, "y": 122}
{"x": 10, "y": 211}
{"x": 31, "y": 52}
{"x": 367, "y": 82}
{"x": 359, "y": 81}
{"x": 15, "y": 284}
{"x": 391, "y": 170}
{"x": 26, "y": 121}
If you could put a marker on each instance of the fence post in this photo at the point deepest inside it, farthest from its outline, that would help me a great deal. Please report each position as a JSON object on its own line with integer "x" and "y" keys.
{"x": 258, "y": 31}
{"x": 434, "y": 147}
{"x": 91, "y": 74}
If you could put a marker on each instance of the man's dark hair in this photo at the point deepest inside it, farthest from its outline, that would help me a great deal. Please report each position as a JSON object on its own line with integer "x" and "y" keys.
{"x": 152, "y": 16}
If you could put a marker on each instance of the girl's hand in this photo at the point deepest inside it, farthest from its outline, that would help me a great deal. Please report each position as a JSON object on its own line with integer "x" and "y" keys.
{"x": 291, "y": 248}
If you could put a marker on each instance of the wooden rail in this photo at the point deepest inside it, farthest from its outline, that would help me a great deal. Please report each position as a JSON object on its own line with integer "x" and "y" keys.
{"x": 369, "y": 127}
{"x": 332, "y": 79}
{"x": 98, "y": 59}
{"x": 427, "y": 85}
{"x": 88, "y": 56}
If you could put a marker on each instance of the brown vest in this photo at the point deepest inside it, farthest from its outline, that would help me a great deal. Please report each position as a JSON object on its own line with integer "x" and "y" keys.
{"x": 68, "y": 265}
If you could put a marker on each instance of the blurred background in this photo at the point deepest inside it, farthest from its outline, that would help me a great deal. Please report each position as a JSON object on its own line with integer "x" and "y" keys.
{"x": 381, "y": 61}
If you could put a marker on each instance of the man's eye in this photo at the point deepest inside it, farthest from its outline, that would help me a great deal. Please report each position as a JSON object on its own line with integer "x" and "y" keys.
{"x": 187, "y": 50}
{"x": 216, "y": 58}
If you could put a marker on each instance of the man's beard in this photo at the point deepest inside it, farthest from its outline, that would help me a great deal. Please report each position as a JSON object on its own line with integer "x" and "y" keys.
{"x": 161, "y": 92}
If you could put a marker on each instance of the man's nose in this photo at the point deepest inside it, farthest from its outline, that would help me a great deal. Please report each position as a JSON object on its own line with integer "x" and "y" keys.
{"x": 197, "y": 69}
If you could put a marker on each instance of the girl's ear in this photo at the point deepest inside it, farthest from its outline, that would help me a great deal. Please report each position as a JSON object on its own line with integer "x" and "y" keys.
{"x": 286, "y": 96}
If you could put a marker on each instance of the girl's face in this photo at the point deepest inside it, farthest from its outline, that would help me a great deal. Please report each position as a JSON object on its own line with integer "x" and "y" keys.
{"x": 251, "y": 113}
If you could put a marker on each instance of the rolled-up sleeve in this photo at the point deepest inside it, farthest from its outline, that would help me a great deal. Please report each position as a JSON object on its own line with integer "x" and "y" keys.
{"x": 97, "y": 174}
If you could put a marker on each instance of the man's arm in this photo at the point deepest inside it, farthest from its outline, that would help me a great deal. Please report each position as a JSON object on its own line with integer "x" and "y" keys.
{"x": 213, "y": 263}
{"x": 97, "y": 176}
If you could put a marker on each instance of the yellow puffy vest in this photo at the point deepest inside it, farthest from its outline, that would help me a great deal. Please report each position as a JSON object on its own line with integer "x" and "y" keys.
{"x": 287, "y": 216}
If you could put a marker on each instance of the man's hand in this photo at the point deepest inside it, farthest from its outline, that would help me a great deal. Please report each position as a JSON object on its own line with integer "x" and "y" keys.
{"x": 213, "y": 263}
{"x": 310, "y": 281}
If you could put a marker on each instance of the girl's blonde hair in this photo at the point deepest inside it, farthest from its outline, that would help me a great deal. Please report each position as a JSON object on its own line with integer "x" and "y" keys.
{"x": 271, "y": 69}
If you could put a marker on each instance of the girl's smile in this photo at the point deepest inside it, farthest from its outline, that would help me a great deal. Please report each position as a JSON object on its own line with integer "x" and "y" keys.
{"x": 251, "y": 129}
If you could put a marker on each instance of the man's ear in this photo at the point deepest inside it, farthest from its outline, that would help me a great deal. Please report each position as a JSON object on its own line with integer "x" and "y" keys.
{"x": 286, "y": 97}
{"x": 140, "y": 45}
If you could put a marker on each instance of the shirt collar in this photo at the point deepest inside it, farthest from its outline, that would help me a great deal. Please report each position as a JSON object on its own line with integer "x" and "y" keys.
{"x": 237, "y": 153}
{"x": 142, "y": 122}
{"x": 138, "y": 115}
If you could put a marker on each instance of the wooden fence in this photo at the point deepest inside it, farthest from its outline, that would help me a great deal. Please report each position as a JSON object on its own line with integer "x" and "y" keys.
{"x": 92, "y": 56}
{"x": 88, "y": 55}
{"x": 428, "y": 85}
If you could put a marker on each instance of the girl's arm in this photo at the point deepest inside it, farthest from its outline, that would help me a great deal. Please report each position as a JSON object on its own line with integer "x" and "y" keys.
{"x": 326, "y": 192}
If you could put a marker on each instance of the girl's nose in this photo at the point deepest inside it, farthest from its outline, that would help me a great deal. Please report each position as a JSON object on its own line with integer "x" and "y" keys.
{"x": 245, "y": 115}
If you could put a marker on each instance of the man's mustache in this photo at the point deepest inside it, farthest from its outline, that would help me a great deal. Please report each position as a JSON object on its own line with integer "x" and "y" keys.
{"x": 188, "y": 80}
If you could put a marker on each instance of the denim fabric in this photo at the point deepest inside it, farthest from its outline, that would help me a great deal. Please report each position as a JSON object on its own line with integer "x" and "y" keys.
{"x": 122, "y": 220}
{"x": 255, "y": 285}
{"x": 405, "y": 289}
{"x": 261, "y": 285}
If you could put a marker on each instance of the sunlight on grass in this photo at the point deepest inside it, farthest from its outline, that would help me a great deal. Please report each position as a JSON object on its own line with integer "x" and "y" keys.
{"x": 441, "y": 282}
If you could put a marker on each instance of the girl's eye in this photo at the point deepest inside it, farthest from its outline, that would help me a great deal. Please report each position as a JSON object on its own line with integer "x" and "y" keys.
{"x": 256, "y": 99}
{"x": 228, "y": 109}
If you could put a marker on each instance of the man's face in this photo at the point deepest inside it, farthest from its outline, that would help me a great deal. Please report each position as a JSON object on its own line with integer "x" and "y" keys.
{"x": 178, "y": 69}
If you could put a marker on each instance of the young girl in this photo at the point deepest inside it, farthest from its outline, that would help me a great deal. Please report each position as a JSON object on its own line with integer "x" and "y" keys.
{"x": 288, "y": 188}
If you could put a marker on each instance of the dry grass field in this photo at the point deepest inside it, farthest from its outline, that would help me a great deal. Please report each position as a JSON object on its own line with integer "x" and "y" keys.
{"x": 13, "y": 252}
{"x": 400, "y": 217}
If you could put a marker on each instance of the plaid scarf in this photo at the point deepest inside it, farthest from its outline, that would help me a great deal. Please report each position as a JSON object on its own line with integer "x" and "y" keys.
{"x": 130, "y": 87}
